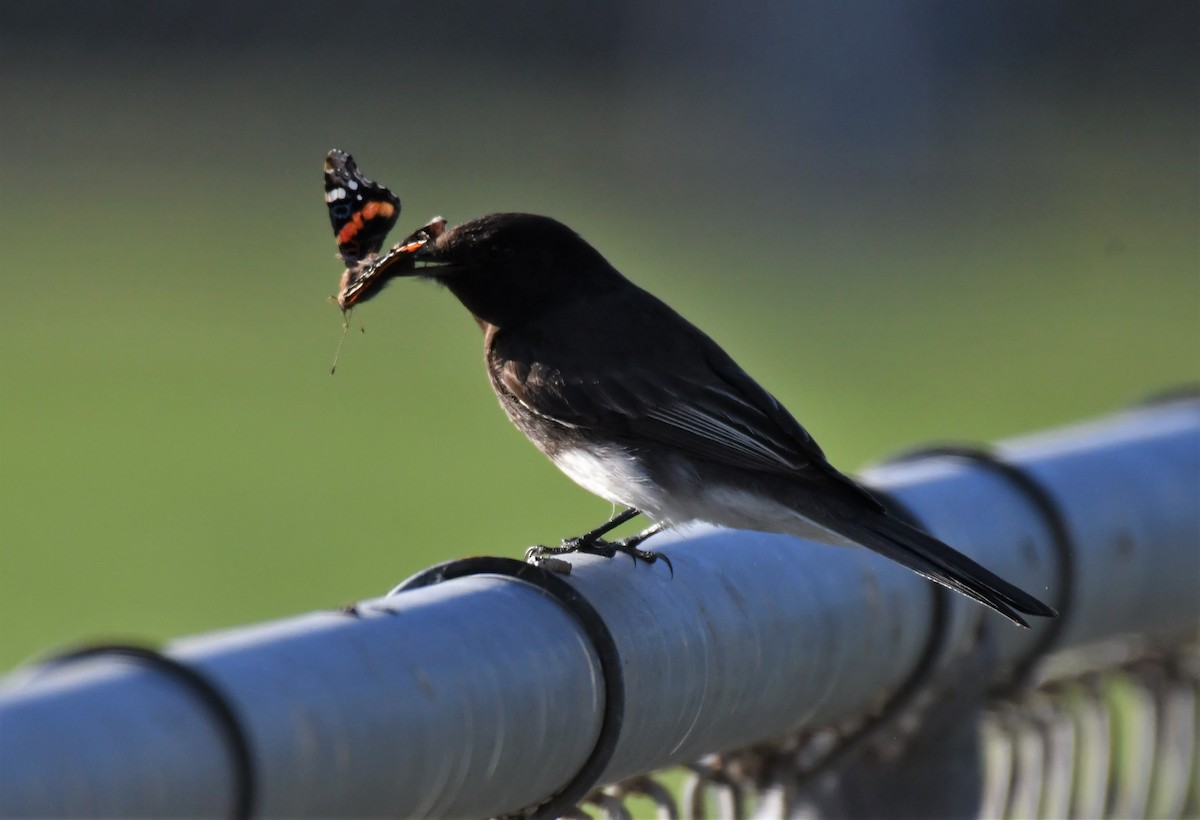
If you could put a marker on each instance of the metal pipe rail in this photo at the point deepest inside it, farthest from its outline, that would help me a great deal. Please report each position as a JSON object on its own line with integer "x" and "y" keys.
{"x": 491, "y": 693}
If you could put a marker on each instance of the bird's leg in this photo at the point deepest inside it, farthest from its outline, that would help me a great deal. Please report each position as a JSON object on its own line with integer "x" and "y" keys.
{"x": 595, "y": 537}
{"x": 593, "y": 542}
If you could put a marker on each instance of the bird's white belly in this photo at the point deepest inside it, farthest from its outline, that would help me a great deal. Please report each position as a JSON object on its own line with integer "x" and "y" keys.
{"x": 613, "y": 475}
{"x": 618, "y": 477}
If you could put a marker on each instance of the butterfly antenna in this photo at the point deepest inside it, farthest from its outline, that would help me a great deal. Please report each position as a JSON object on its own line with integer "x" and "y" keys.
{"x": 341, "y": 340}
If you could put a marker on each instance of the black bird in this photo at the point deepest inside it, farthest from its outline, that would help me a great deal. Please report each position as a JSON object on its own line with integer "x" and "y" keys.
{"x": 640, "y": 407}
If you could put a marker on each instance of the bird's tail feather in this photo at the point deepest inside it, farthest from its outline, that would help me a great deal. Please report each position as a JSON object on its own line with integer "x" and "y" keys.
{"x": 943, "y": 564}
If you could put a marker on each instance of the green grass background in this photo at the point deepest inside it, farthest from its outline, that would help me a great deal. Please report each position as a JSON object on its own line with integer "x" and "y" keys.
{"x": 177, "y": 458}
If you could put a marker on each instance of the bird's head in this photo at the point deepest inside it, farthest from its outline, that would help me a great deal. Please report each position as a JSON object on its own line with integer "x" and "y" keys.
{"x": 510, "y": 268}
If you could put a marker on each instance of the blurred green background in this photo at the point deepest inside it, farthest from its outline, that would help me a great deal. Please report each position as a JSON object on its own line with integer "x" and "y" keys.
{"x": 910, "y": 220}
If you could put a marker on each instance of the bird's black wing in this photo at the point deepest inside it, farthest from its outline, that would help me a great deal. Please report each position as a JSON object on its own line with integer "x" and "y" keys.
{"x": 684, "y": 392}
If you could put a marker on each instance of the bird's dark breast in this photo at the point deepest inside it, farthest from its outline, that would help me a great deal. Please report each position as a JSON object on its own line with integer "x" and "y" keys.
{"x": 512, "y": 378}
{"x": 549, "y": 436}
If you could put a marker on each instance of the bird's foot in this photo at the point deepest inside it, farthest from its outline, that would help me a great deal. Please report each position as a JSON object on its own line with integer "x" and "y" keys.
{"x": 591, "y": 546}
{"x": 599, "y": 546}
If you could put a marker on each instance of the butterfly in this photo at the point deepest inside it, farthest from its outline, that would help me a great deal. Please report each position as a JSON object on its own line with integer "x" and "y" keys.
{"x": 362, "y": 212}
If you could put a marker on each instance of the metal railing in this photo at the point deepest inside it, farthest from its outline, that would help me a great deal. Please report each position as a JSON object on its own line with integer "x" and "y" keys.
{"x": 489, "y": 686}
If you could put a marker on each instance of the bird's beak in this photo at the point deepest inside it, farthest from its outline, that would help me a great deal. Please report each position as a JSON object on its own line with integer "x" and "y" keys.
{"x": 427, "y": 255}
{"x": 429, "y": 258}
{"x": 422, "y": 241}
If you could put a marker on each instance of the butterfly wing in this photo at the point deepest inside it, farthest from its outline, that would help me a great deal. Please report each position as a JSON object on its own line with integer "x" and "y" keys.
{"x": 361, "y": 211}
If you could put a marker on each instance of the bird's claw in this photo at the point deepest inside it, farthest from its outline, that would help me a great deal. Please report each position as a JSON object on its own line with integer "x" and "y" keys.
{"x": 648, "y": 556}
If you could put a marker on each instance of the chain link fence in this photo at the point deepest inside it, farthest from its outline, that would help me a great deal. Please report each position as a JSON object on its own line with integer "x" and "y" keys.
{"x": 1118, "y": 739}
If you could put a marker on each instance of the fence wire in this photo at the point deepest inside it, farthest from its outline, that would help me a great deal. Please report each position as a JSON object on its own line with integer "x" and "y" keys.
{"x": 1115, "y": 742}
